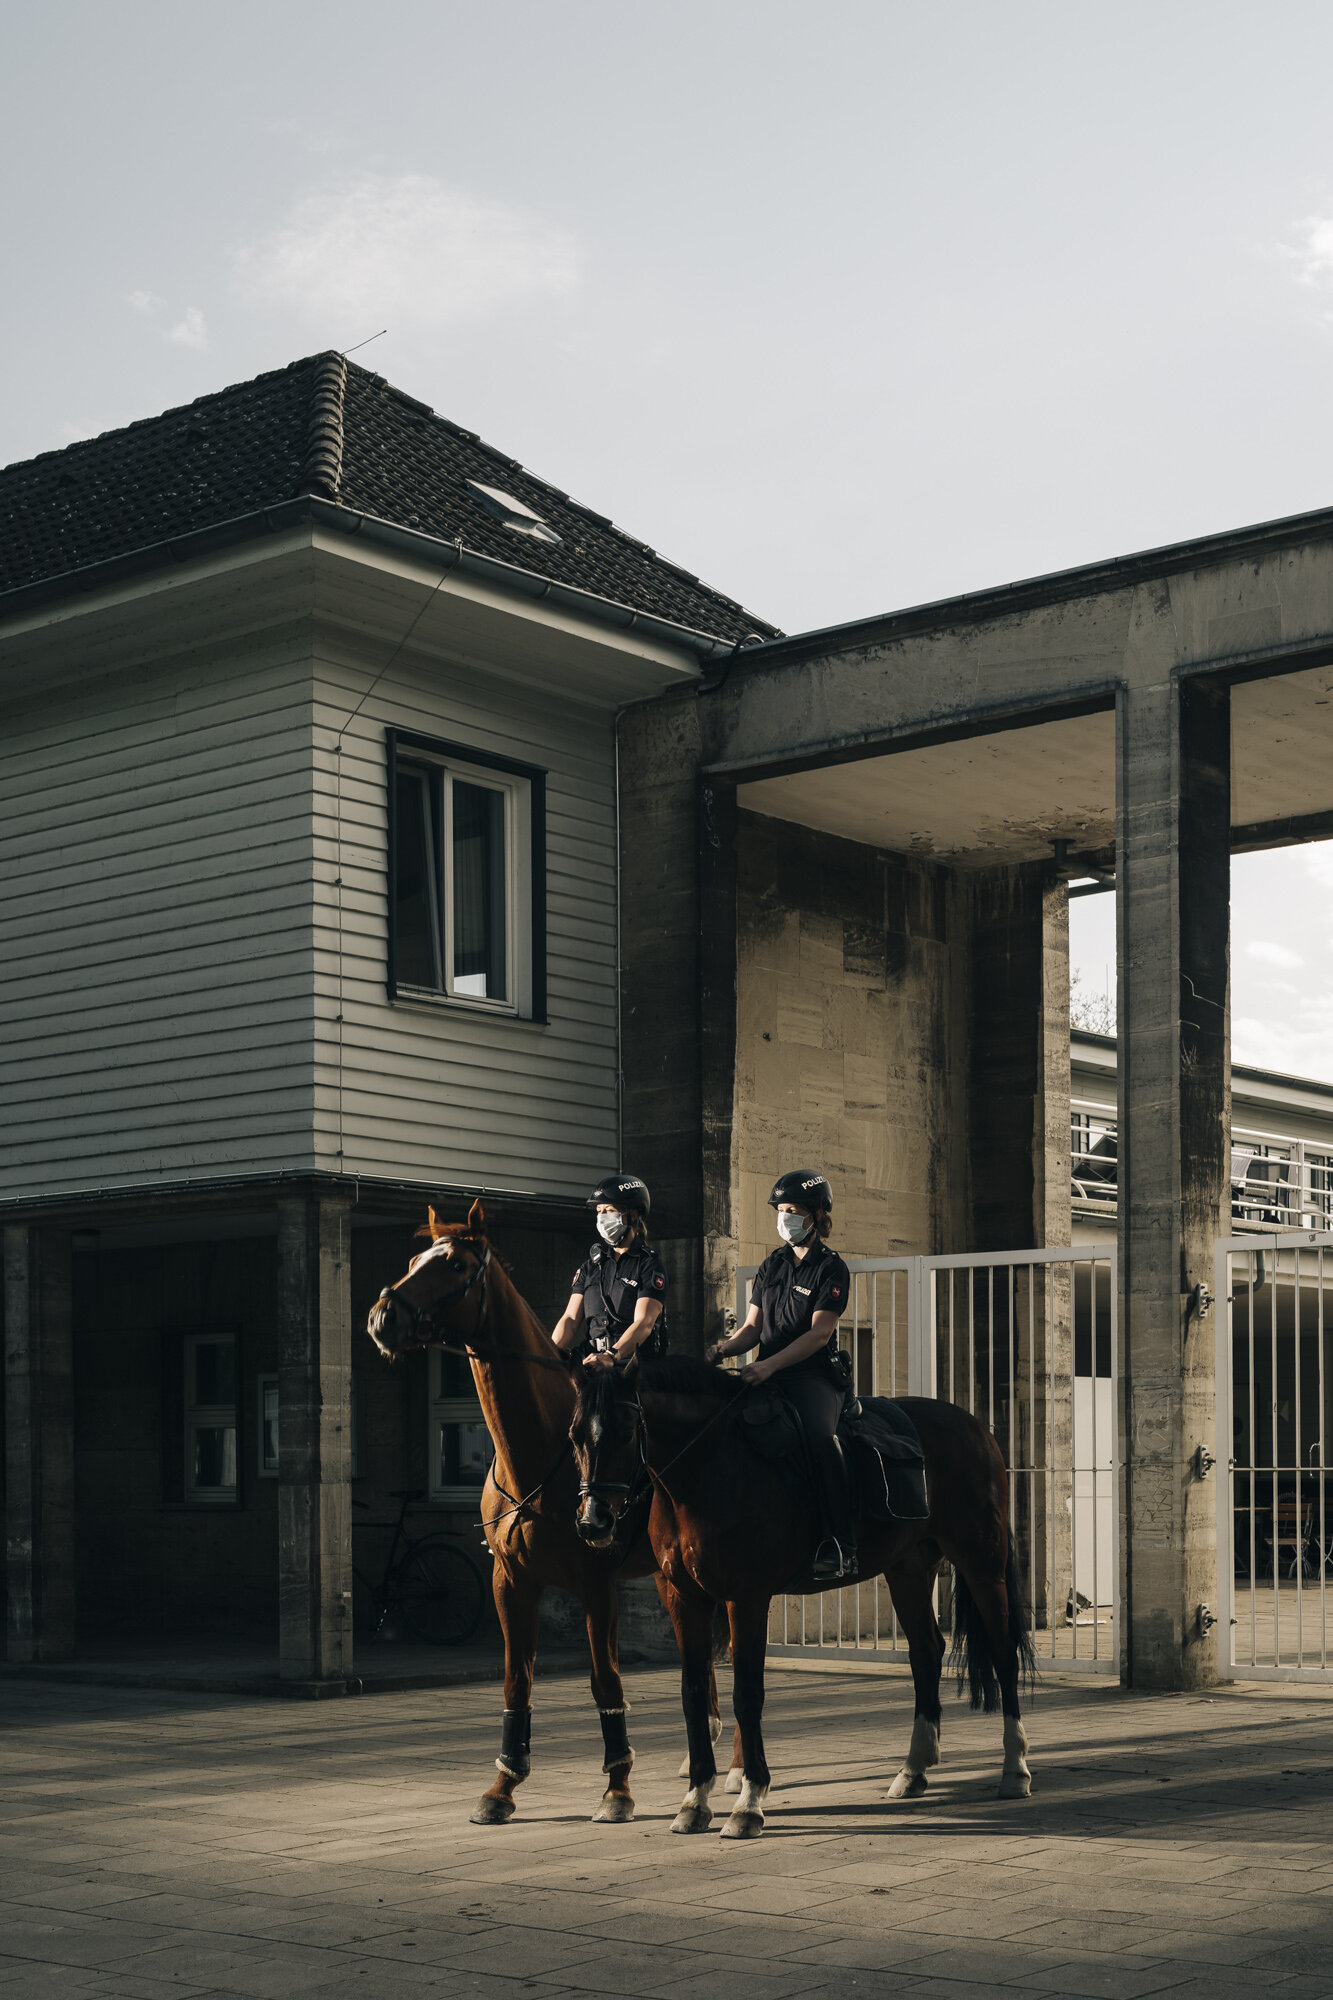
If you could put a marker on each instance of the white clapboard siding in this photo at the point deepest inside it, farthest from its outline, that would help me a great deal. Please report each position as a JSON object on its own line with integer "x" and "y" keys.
{"x": 156, "y": 930}
{"x": 443, "y": 1094}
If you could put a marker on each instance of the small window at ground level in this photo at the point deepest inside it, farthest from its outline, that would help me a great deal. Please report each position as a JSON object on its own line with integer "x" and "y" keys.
{"x": 467, "y": 895}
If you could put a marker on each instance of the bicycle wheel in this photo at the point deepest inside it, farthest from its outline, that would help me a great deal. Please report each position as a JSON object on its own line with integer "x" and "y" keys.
{"x": 440, "y": 1592}
{"x": 365, "y": 1606}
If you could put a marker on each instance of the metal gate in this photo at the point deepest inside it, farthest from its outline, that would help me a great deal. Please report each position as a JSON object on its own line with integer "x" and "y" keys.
{"x": 1026, "y": 1340}
{"x": 1274, "y": 1436}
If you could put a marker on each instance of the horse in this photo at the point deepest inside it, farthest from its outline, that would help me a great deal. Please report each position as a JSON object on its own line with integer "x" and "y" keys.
{"x": 728, "y": 1527}
{"x": 457, "y": 1290}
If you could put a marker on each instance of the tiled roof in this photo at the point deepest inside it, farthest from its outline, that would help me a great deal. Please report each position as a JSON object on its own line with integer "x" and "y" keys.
{"x": 326, "y": 427}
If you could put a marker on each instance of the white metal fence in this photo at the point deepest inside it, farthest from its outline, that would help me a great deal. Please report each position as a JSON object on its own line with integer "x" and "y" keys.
{"x": 1026, "y": 1341}
{"x": 1274, "y": 1438}
{"x": 1277, "y": 1182}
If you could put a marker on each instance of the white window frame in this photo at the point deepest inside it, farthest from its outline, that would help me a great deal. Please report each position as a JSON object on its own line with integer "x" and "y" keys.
{"x": 210, "y": 1416}
{"x": 516, "y": 792}
{"x": 442, "y": 1410}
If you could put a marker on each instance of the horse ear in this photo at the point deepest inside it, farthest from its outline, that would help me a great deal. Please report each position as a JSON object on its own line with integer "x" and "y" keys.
{"x": 436, "y": 1225}
{"x": 476, "y": 1220}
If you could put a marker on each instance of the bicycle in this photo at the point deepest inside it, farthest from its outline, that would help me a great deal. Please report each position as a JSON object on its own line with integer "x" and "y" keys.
{"x": 436, "y": 1587}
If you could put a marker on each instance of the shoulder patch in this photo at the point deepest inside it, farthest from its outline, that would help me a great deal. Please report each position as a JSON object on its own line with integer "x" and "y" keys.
{"x": 659, "y": 1282}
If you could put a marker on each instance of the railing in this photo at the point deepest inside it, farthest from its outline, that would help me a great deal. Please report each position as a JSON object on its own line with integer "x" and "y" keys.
{"x": 1276, "y": 1181}
{"x": 1025, "y": 1340}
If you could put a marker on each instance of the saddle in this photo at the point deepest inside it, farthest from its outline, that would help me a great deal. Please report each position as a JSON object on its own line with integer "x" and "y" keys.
{"x": 880, "y": 1442}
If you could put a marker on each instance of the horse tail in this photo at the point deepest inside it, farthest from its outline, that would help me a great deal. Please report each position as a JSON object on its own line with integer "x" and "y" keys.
{"x": 973, "y": 1655}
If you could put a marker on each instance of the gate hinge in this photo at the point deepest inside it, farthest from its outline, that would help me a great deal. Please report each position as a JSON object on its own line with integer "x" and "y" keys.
{"x": 1205, "y": 1620}
{"x": 1203, "y": 1461}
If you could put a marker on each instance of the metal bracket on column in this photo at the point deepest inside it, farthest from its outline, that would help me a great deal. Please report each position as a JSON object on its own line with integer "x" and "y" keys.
{"x": 1203, "y": 1462}
{"x": 1204, "y": 1620}
{"x": 1200, "y": 1304}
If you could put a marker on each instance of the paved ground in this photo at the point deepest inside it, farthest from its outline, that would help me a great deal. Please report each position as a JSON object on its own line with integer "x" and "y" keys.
{"x": 183, "y": 1844}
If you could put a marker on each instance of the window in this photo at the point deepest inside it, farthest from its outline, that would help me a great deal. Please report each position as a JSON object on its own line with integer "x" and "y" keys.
{"x": 459, "y": 1449}
{"x": 210, "y": 1417}
{"x": 467, "y": 892}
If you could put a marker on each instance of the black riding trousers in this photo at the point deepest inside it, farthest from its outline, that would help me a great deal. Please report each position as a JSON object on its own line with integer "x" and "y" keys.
{"x": 818, "y": 1401}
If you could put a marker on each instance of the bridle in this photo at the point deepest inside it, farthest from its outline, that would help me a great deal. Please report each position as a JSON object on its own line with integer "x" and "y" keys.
{"x": 594, "y": 1489}
{"x": 425, "y": 1325}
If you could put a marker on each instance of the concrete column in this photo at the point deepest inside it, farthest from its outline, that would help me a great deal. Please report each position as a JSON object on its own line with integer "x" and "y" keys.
{"x": 39, "y": 1444}
{"x": 314, "y": 1439}
{"x": 1173, "y": 915}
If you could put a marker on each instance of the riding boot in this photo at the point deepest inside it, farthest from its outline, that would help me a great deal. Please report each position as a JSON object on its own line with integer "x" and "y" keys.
{"x": 836, "y": 1555}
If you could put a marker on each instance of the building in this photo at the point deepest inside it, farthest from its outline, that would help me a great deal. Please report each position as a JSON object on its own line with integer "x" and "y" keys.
{"x": 308, "y": 871}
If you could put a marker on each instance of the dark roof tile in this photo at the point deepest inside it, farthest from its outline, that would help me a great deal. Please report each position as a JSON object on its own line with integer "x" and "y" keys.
{"x": 327, "y": 427}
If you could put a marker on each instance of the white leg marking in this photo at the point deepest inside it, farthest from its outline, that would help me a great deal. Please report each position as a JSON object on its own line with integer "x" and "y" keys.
{"x": 922, "y": 1752}
{"x": 747, "y": 1815}
{"x": 695, "y": 1811}
{"x": 1015, "y": 1779}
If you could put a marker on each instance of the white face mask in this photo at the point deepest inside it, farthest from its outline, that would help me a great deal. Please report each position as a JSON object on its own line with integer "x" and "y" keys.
{"x": 613, "y": 1228}
{"x": 793, "y": 1228}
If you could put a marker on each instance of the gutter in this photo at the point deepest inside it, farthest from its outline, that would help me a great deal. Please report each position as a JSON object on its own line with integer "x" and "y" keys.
{"x": 306, "y": 508}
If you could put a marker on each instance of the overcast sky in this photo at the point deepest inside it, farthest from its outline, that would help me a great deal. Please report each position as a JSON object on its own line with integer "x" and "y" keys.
{"x": 844, "y": 306}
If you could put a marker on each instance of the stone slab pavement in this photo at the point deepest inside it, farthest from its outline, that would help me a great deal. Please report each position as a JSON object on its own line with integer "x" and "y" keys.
{"x": 157, "y": 1843}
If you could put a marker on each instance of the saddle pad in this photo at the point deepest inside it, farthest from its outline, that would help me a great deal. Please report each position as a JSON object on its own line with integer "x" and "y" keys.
{"x": 886, "y": 1459}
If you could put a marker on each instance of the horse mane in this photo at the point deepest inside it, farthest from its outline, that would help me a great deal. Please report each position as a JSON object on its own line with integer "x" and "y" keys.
{"x": 684, "y": 1375}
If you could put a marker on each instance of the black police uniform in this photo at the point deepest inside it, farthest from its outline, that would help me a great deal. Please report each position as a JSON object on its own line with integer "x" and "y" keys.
{"x": 612, "y": 1286}
{"x": 789, "y": 1291}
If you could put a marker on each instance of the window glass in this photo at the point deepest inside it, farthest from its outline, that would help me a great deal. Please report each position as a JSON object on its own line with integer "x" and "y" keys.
{"x": 268, "y": 1424}
{"x": 214, "y": 1457}
{"x": 464, "y": 1454}
{"x": 480, "y": 920}
{"x": 415, "y": 903}
{"x": 215, "y": 1371}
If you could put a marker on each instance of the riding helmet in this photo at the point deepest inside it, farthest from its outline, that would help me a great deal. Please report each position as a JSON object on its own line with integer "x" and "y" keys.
{"x": 804, "y": 1187}
{"x": 621, "y": 1191}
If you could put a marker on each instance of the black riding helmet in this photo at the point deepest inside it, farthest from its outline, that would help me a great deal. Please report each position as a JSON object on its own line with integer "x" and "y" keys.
{"x": 803, "y": 1187}
{"x": 622, "y": 1191}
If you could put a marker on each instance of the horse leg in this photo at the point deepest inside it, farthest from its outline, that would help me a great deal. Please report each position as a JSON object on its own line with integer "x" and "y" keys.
{"x": 714, "y": 1706}
{"x": 992, "y": 1623}
{"x": 609, "y": 1693}
{"x": 749, "y": 1638}
{"x": 912, "y": 1594}
{"x": 692, "y": 1617}
{"x": 516, "y": 1602}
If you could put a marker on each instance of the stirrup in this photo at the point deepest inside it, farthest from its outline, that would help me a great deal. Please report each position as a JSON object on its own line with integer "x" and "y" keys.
{"x": 829, "y": 1561}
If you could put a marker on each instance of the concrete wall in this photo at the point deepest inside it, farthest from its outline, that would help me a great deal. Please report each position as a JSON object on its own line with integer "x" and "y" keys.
{"x": 850, "y": 981}
{"x": 149, "y": 1565}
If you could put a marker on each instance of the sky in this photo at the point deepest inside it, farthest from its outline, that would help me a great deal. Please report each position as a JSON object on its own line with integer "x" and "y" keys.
{"x": 844, "y": 307}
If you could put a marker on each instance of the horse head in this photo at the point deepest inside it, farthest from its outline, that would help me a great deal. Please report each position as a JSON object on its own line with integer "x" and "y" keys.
{"x": 607, "y": 1436}
{"x": 443, "y": 1294}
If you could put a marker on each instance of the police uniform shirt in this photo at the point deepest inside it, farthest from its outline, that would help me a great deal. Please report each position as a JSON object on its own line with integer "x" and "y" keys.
{"x": 790, "y": 1291}
{"x": 612, "y": 1286}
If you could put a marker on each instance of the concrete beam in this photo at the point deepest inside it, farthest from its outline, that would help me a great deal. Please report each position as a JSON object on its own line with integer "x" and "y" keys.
{"x": 39, "y": 1444}
{"x": 314, "y": 1439}
{"x": 1173, "y": 914}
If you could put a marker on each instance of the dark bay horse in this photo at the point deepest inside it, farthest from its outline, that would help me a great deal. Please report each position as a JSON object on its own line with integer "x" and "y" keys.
{"x": 458, "y": 1292}
{"x": 728, "y": 1527}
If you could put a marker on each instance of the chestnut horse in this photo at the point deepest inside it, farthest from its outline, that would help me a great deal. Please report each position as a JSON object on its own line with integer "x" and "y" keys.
{"x": 458, "y": 1292}
{"x": 728, "y": 1527}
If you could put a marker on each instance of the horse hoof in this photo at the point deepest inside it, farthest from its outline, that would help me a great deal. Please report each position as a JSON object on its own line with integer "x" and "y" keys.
{"x": 614, "y": 1810}
{"x": 692, "y": 1819}
{"x": 743, "y": 1826}
{"x": 491, "y": 1812}
{"x": 1015, "y": 1785}
{"x": 907, "y": 1785}
{"x": 735, "y": 1779}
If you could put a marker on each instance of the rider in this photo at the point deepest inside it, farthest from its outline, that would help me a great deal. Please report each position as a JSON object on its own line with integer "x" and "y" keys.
{"x": 621, "y": 1285}
{"x": 799, "y": 1295}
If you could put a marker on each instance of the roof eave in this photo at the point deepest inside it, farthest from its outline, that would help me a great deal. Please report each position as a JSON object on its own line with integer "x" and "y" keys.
{"x": 287, "y": 514}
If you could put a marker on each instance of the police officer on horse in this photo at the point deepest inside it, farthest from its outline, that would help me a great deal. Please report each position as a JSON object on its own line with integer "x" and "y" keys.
{"x": 799, "y": 1295}
{"x": 620, "y": 1288}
